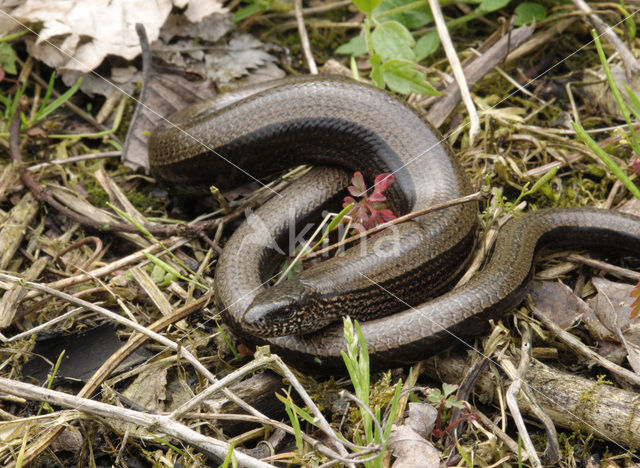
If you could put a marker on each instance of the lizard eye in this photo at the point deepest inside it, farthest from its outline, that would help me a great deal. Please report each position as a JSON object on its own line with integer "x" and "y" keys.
{"x": 287, "y": 313}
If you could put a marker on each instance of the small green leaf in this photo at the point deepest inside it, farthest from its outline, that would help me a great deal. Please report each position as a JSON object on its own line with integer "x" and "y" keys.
{"x": 492, "y": 5}
{"x": 393, "y": 41}
{"x": 376, "y": 70}
{"x": 8, "y": 58}
{"x": 427, "y": 45}
{"x": 366, "y": 6}
{"x": 448, "y": 389}
{"x": 528, "y": 11}
{"x": 255, "y": 6}
{"x": 356, "y": 47}
{"x": 402, "y": 77}
{"x": 412, "y": 18}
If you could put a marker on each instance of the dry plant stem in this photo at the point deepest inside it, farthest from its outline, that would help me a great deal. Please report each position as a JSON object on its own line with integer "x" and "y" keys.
{"x": 116, "y": 318}
{"x": 617, "y": 185}
{"x": 228, "y": 380}
{"x": 401, "y": 219}
{"x": 42, "y": 195}
{"x": 304, "y": 38}
{"x": 552, "y": 452}
{"x": 248, "y": 418}
{"x": 582, "y": 349}
{"x": 450, "y": 51}
{"x": 274, "y": 362}
{"x": 499, "y": 433}
{"x": 573, "y": 157}
{"x": 97, "y": 242}
{"x": 150, "y": 421}
{"x": 313, "y": 10}
{"x": 74, "y": 159}
{"x": 631, "y": 64}
{"x": 281, "y": 368}
{"x": 137, "y": 340}
{"x": 43, "y": 326}
{"x": 512, "y": 401}
{"x": 138, "y": 256}
{"x": 604, "y": 266}
{"x": 474, "y": 71}
{"x": 542, "y": 39}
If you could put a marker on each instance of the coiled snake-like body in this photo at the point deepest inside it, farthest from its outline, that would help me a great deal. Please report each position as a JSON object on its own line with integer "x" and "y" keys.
{"x": 346, "y": 125}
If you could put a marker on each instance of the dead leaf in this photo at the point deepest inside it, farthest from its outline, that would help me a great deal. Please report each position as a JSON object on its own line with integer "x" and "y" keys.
{"x": 612, "y": 304}
{"x": 148, "y": 390}
{"x": 167, "y": 93}
{"x": 243, "y": 53}
{"x": 210, "y": 29}
{"x": 84, "y": 32}
{"x": 558, "y": 302}
{"x": 422, "y": 418}
{"x": 412, "y": 450}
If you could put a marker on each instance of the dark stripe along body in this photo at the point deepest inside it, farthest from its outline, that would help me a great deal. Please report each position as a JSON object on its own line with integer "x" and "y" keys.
{"x": 357, "y": 127}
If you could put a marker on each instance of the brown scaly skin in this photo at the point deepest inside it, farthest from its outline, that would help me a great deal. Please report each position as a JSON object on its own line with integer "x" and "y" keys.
{"x": 331, "y": 121}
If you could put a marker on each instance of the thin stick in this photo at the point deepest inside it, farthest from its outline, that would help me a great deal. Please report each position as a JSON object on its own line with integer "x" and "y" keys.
{"x": 73, "y": 159}
{"x": 151, "y": 421}
{"x": 512, "y": 400}
{"x": 456, "y": 67}
{"x": 116, "y": 318}
{"x": 604, "y": 266}
{"x": 440, "y": 206}
{"x": 304, "y": 38}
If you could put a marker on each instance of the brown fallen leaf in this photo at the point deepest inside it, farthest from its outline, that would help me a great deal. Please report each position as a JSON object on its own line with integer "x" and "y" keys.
{"x": 558, "y": 302}
{"x": 411, "y": 449}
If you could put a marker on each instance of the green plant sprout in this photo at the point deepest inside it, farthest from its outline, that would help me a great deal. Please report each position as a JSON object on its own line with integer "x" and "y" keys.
{"x": 376, "y": 432}
{"x": 50, "y": 378}
{"x": 293, "y": 411}
{"x": 498, "y": 204}
{"x": 625, "y": 109}
{"x": 393, "y": 52}
{"x": 356, "y": 359}
{"x": 445, "y": 400}
{"x": 230, "y": 458}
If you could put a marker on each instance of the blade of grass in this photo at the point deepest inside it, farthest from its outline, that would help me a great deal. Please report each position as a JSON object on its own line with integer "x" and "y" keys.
{"x": 607, "y": 160}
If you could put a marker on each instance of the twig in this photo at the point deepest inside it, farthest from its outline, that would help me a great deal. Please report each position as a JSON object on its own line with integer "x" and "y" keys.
{"x": 74, "y": 159}
{"x": 499, "y": 433}
{"x": 512, "y": 401}
{"x": 631, "y": 64}
{"x": 151, "y": 421}
{"x": 552, "y": 452}
{"x": 401, "y": 219}
{"x": 169, "y": 244}
{"x": 229, "y": 379}
{"x": 304, "y": 38}
{"x": 475, "y": 71}
{"x": 313, "y": 10}
{"x": 281, "y": 368}
{"x": 604, "y": 266}
{"x": 582, "y": 349}
{"x": 42, "y": 326}
{"x": 450, "y": 51}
